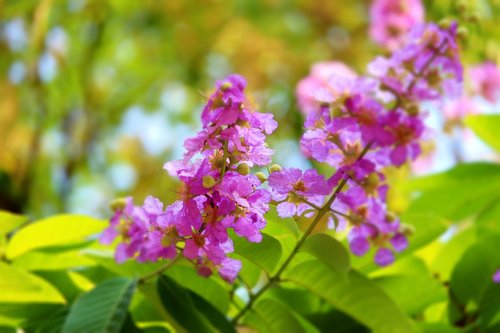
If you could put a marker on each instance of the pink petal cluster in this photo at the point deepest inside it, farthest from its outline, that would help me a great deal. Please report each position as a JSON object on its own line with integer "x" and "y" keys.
{"x": 217, "y": 191}
{"x": 391, "y": 20}
{"x": 373, "y": 123}
{"x": 485, "y": 81}
{"x": 318, "y": 82}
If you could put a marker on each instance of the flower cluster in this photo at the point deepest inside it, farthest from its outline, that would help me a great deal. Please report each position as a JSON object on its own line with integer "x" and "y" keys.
{"x": 317, "y": 83}
{"x": 392, "y": 19}
{"x": 362, "y": 125}
{"x": 217, "y": 191}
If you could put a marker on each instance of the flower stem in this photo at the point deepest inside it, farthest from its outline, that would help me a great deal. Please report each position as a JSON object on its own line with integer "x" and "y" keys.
{"x": 321, "y": 212}
{"x": 160, "y": 270}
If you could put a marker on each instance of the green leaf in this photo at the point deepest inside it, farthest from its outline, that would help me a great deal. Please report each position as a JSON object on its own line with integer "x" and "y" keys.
{"x": 451, "y": 252}
{"x": 428, "y": 227}
{"x": 329, "y": 250}
{"x": 413, "y": 293}
{"x": 358, "y": 297}
{"x": 265, "y": 254}
{"x": 271, "y": 316}
{"x": 10, "y": 221}
{"x": 179, "y": 304}
{"x": 41, "y": 260}
{"x": 208, "y": 288}
{"x": 488, "y": 307}
{"x": 70, "y": 284}
{"x": 27, "y": 314}
{"x": 19, "y": 286}
{"x": 486, "y": 127}
{"x": 130, "y": 268}
{"x": 457, "y": 193}
{"x": 103, "y": 309}
{"x": 473, "y": 273}
{"x": 53, "y": 231}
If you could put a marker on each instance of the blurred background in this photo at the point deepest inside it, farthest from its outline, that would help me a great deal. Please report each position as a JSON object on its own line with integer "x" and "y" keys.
{"x": 97, "y": 95}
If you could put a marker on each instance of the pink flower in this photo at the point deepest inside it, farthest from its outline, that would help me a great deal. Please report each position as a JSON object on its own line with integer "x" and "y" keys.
{"x": 318, "y": 82}
{"x": 485, "y": 81}
{"x": 391, "y": 20}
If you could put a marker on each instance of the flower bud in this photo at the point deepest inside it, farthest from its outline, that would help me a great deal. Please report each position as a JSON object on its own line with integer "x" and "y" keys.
{"x": 275, "y": 168}
{"x": 445, "y": 23}
{"x": 243, "y": 169}
{"x": 169, "y": 237}
{"x": 461, "y": 6}
{"x": 208, "y": 181}
{"x": 118, "y": 204}
{"x": 462, "y": 34}
{"x": 473, "y": 18}
{"x": 407, "y": 229}
{"x": 262, "y": 177}
{"x": 226, "y": 86}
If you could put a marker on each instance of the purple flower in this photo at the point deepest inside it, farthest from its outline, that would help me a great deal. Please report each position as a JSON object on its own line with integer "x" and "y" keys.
{"x": 496, "y": 276}
{"x": 392, "y": 19}
{"x": 217, "y": 190}
{"x": 384, "y": 257}
{"x": 292, "y": 189}
{"x": 359, "y": 246}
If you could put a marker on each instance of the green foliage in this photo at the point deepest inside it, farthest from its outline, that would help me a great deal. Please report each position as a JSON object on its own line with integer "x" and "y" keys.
{"x": 359, "y": 297}
{"x": 486, "y": 127}
{"x": 103, "y": 309}
{"x": 19, "y": 286}
{"x": 53, "y": 231}
{"x": 58, "y": 150}
{"x": 190, "y": 310}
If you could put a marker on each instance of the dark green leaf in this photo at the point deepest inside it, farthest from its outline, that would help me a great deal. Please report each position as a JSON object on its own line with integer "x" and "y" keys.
{"x": 329, "y": 250}
{"x": 103, "y": 309}
{"x": 358, "y": 297}
{"x": 265, "y": 254}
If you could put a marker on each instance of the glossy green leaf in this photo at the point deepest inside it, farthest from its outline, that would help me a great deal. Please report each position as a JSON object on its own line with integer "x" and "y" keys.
{"x": 271, "y": 316}
{"x": 70, "y": 284}
{"x": 40, "y": 260}
{"x": 358, "y": 297}
{"x": 473, "y": 273}
{"x": 27, "y": 314}
{"x": 102, "y": 309}
{"x": 329, "y": 250}
{"x": 413, "y": 293}
{"x": 486, "y": 127}
{"x": 458, "y": 193}
{"x": 489, "y": 306}
{"x": 209, "y": 289}
{"x": 450, "y": 253}
{"x": 19, "y": 286}
{"x": 179, "y": 303}
{"x": 427, "y": 228}
{"x": 53, "y": 231}
{"x": 10, "y": 221}
{"x": 265, "y": 254}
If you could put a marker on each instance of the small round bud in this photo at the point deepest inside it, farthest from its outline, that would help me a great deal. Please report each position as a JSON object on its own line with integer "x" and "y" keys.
{"x": 390, "y": 217}
{"x": 118, "y": 204}
{"x": 473, "y": 18}
{"x": 462, "y": 33}
{"x": 226, "y": 86}
{"x": 169, "y": 237}
{"x": 208, "y": 181}
{"x": 275, "y": 168}
{"x": 461, "y": 6}
{"x": 262, "y": 177}
{"x": 407, "y": 229}
{"x": 243, "y": 169}
{"x": 445, "y": 23}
